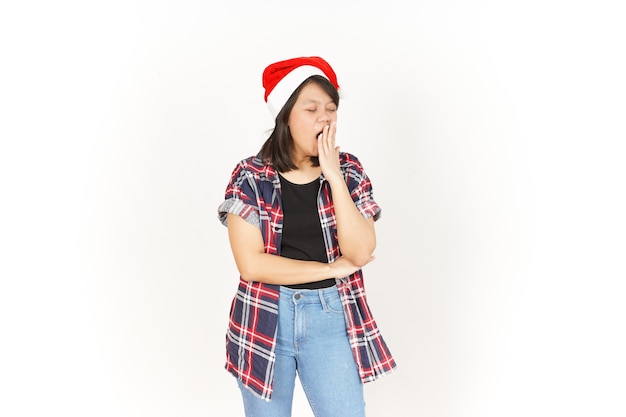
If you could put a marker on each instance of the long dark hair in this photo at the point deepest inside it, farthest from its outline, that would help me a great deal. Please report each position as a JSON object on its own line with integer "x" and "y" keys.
{"x": 278, "y": 148}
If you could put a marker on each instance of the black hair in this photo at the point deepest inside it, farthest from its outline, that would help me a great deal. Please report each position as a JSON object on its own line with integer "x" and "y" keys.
{"x": 278, "y": 148}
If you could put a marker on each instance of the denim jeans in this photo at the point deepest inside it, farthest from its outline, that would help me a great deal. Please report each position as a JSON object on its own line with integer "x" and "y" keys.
{"x": 312, "y": 341}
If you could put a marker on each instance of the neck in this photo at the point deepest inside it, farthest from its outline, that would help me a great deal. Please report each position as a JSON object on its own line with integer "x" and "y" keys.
{"x": 304, "y": 174}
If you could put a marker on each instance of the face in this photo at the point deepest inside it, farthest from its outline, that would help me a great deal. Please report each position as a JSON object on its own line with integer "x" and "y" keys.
{"x": 313, "y": 110}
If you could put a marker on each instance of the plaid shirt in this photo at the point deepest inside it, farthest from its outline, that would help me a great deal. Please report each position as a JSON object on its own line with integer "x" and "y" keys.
{"x": 254, "y": 193}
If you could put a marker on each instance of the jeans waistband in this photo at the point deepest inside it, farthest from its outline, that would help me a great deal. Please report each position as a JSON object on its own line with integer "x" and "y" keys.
{"x": 304, "y": 296}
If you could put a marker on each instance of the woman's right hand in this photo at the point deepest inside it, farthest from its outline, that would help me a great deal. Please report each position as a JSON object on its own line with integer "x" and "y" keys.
{"x": 342, "y": 267}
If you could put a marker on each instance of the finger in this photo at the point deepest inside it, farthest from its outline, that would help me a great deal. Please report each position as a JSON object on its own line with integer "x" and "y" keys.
{"x": 332, "y": 130}
{"x": 323, "y": 149}
{"x": 330, "y": 137}
{"x": 323, "y": 140}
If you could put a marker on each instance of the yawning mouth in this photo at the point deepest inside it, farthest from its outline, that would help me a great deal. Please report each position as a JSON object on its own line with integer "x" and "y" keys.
{"x": 319, "y": 135}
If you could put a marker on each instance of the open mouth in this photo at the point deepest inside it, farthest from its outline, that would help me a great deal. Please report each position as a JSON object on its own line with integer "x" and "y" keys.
{"x": 319, "y": 135}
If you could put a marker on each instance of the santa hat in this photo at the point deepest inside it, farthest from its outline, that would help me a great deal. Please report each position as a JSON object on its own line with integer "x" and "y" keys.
{"x": 282, "y": 78}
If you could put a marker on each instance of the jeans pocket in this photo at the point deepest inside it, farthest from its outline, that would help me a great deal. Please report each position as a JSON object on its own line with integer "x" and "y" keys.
{"x": 332, "y": 304}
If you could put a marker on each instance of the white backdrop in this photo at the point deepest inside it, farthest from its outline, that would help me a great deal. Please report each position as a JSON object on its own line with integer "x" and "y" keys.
{"x": 493, "y": 133}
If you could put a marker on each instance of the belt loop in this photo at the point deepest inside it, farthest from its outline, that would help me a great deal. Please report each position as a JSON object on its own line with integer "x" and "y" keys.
{"x": 320, "y": 292}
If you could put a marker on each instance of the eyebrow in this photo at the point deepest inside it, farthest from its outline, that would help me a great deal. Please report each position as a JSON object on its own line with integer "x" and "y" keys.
{"x": 309, "y": 101}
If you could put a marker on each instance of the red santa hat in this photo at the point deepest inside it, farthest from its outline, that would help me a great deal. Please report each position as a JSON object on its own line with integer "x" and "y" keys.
{"x": 281, "y": 79}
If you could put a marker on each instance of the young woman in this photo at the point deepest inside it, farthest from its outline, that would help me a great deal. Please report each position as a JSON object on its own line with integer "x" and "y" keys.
{"x": 300, "y": 219}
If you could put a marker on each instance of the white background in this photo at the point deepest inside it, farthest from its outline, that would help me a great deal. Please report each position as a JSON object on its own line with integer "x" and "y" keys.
{"x": 493, "y": 133}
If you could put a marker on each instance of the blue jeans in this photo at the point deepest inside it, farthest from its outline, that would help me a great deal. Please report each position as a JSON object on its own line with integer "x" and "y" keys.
{"x": 312, "y": 341}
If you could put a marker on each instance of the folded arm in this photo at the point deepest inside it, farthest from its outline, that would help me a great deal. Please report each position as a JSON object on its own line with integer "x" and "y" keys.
{"x": 246, "y": 242}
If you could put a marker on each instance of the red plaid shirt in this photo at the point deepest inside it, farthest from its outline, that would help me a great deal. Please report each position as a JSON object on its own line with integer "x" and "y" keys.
{"x": 254, "y": 193}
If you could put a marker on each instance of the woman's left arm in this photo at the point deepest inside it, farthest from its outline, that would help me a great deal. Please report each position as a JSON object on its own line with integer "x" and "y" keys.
{"x": 356, "y": 234}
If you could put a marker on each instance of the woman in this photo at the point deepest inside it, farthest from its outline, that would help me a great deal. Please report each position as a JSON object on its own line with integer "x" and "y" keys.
{"x": 300, "y": 219}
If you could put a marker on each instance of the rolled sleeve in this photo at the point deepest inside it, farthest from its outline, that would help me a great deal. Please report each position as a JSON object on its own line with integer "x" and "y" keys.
{"x": 370, "y": 209}
{"x": 240, "y": 198}
{"x": 360, "y": 188}
{"x": 238, "y": 207}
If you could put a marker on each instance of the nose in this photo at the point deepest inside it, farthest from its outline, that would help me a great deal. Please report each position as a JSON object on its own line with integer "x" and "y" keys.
{"x": 326, "y": 116}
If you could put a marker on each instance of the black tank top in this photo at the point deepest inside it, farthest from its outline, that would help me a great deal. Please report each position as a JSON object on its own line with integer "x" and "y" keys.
{"x": 302, "y": 236}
